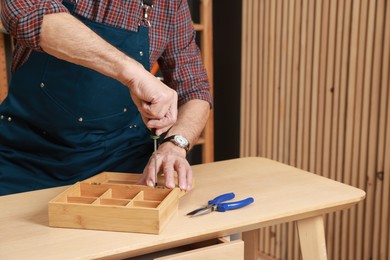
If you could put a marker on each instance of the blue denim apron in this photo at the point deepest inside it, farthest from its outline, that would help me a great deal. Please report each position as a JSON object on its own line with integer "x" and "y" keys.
{"x": 62, "y": 123}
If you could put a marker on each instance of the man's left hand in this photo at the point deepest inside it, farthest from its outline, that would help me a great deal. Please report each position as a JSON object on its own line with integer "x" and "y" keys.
{"x": 170, "y": 159}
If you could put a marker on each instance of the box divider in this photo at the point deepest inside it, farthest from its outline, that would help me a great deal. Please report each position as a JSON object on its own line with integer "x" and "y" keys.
{"x": 138, "y": 197}
{"x": 107, "y": 194}
{"x": 96, "y": 202}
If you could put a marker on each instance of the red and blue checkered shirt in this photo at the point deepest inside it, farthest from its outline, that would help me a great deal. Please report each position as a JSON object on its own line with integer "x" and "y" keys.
{"x": 171, "y": 35}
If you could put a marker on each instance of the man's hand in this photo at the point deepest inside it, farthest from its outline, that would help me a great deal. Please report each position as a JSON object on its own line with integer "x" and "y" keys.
{"x": 170, "y": 158}
{"x": 156, "y": 102}
{"x": 192, "y": 117}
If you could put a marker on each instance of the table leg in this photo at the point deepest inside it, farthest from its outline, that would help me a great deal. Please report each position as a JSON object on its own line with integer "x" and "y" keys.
{"x": 312, "y": 238}
{"x": 251, "y": 244}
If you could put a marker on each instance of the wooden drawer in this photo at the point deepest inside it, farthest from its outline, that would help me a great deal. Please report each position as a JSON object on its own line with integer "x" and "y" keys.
{"x": 215, "y": 249}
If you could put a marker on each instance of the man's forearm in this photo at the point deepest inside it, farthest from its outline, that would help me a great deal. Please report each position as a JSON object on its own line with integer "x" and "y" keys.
{"x": 191, "y": 120}
{"x": 78, "y": 44}
{"x": 65, "y": 37}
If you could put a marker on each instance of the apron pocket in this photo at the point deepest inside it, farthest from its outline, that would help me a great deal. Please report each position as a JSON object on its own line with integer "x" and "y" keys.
{"x": 85, "y": 96}
{"x": 83, "y": 92}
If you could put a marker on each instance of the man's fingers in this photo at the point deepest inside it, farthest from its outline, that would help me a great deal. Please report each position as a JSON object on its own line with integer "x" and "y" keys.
{"x": 169, "y": 177}
{"x": 148, "y": 177}
{"x": 184, "y": 176}
{"x": 189, "y": 179}
{"x": 161, "y": 125}
{"x": 153, "y": 110}
{"x": 170, "y": 164}
{"x": 159, "y": 121}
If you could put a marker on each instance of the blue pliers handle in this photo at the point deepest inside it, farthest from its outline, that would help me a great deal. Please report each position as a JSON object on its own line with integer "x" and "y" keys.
{"x": 222, "y": 207}
{"x": 222, "y": 198}
{"x": 217, "y": 204}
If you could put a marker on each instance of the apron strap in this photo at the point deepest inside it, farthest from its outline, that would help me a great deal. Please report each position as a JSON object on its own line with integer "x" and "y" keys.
{"x": 147, "y": 2}
{"x": 147, "y": 5}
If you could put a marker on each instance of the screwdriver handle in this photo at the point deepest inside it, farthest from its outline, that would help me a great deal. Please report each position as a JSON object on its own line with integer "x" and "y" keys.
{"x": 153, "y": 134}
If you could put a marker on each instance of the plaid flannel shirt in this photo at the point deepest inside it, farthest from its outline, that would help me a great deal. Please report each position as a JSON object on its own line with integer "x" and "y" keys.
{"x": 171, "y": 35}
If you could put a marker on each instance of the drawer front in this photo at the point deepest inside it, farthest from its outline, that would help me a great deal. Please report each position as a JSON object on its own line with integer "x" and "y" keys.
{"x": 220, "y": 250}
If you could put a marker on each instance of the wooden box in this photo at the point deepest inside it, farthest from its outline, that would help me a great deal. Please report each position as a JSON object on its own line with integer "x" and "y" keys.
{"x": 113, "y": 201}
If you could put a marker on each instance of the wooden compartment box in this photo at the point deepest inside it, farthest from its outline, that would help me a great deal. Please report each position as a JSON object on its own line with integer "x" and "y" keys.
{"x": 113, "y": 201}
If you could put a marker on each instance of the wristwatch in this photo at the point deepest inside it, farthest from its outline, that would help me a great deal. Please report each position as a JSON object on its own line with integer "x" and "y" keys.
{"x": 178, "y": 140}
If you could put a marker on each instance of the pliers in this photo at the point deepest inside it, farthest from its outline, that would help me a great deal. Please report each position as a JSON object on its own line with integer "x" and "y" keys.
{"x": 217, "y": 205}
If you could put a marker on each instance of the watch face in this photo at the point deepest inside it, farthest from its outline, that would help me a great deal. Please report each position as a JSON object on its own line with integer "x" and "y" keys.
{"x": 180, "y": 140}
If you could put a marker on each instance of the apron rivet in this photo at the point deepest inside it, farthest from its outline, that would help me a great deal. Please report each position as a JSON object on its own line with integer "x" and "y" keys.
{"x": 80, "y": 119}
{"x": 9, "y": 119}
{"x": 125, "y": 110}
{"x": 1, "y": 117}
{"x": 130, "y": 126}
{"x": 141, "y": 53}
{"x": 135, "y": 125}
{"x": 42, "y": 85}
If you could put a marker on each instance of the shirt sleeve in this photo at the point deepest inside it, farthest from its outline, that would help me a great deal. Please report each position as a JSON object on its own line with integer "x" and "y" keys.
{"x": 181, "y": 63}
{"x": 23, "y": 19}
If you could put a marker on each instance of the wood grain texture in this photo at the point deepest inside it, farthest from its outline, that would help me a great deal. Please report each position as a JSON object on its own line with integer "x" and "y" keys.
{"x": 206, "y": 38}
{"x": 227, "y": 251}
{"x": 281, "y": 193}
{"x": 328, "y": 104}
{"x": 3, "y": 69}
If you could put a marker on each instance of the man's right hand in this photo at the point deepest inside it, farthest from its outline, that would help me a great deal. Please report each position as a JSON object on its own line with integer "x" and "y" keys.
{"x": 156, "y": 102}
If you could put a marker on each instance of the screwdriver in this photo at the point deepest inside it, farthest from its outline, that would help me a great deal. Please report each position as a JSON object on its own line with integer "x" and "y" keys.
{"x": 155, "y": 138}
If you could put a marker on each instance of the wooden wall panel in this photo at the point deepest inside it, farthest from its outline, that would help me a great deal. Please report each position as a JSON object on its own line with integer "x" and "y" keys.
{"x": 3, "y": 65}
{"x": 3, "y": 69}
{"x": 316, "y": 95}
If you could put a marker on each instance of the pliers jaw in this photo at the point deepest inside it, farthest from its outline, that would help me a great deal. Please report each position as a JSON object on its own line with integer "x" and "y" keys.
{"x": 202, "y": 211}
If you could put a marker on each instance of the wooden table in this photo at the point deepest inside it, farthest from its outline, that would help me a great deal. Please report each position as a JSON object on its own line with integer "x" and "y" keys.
{"x": 282, "y": 194}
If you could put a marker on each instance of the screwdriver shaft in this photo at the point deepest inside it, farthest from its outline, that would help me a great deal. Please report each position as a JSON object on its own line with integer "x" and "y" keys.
{"x": 155, "y": 138}
{"x": 155, "y": 162}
